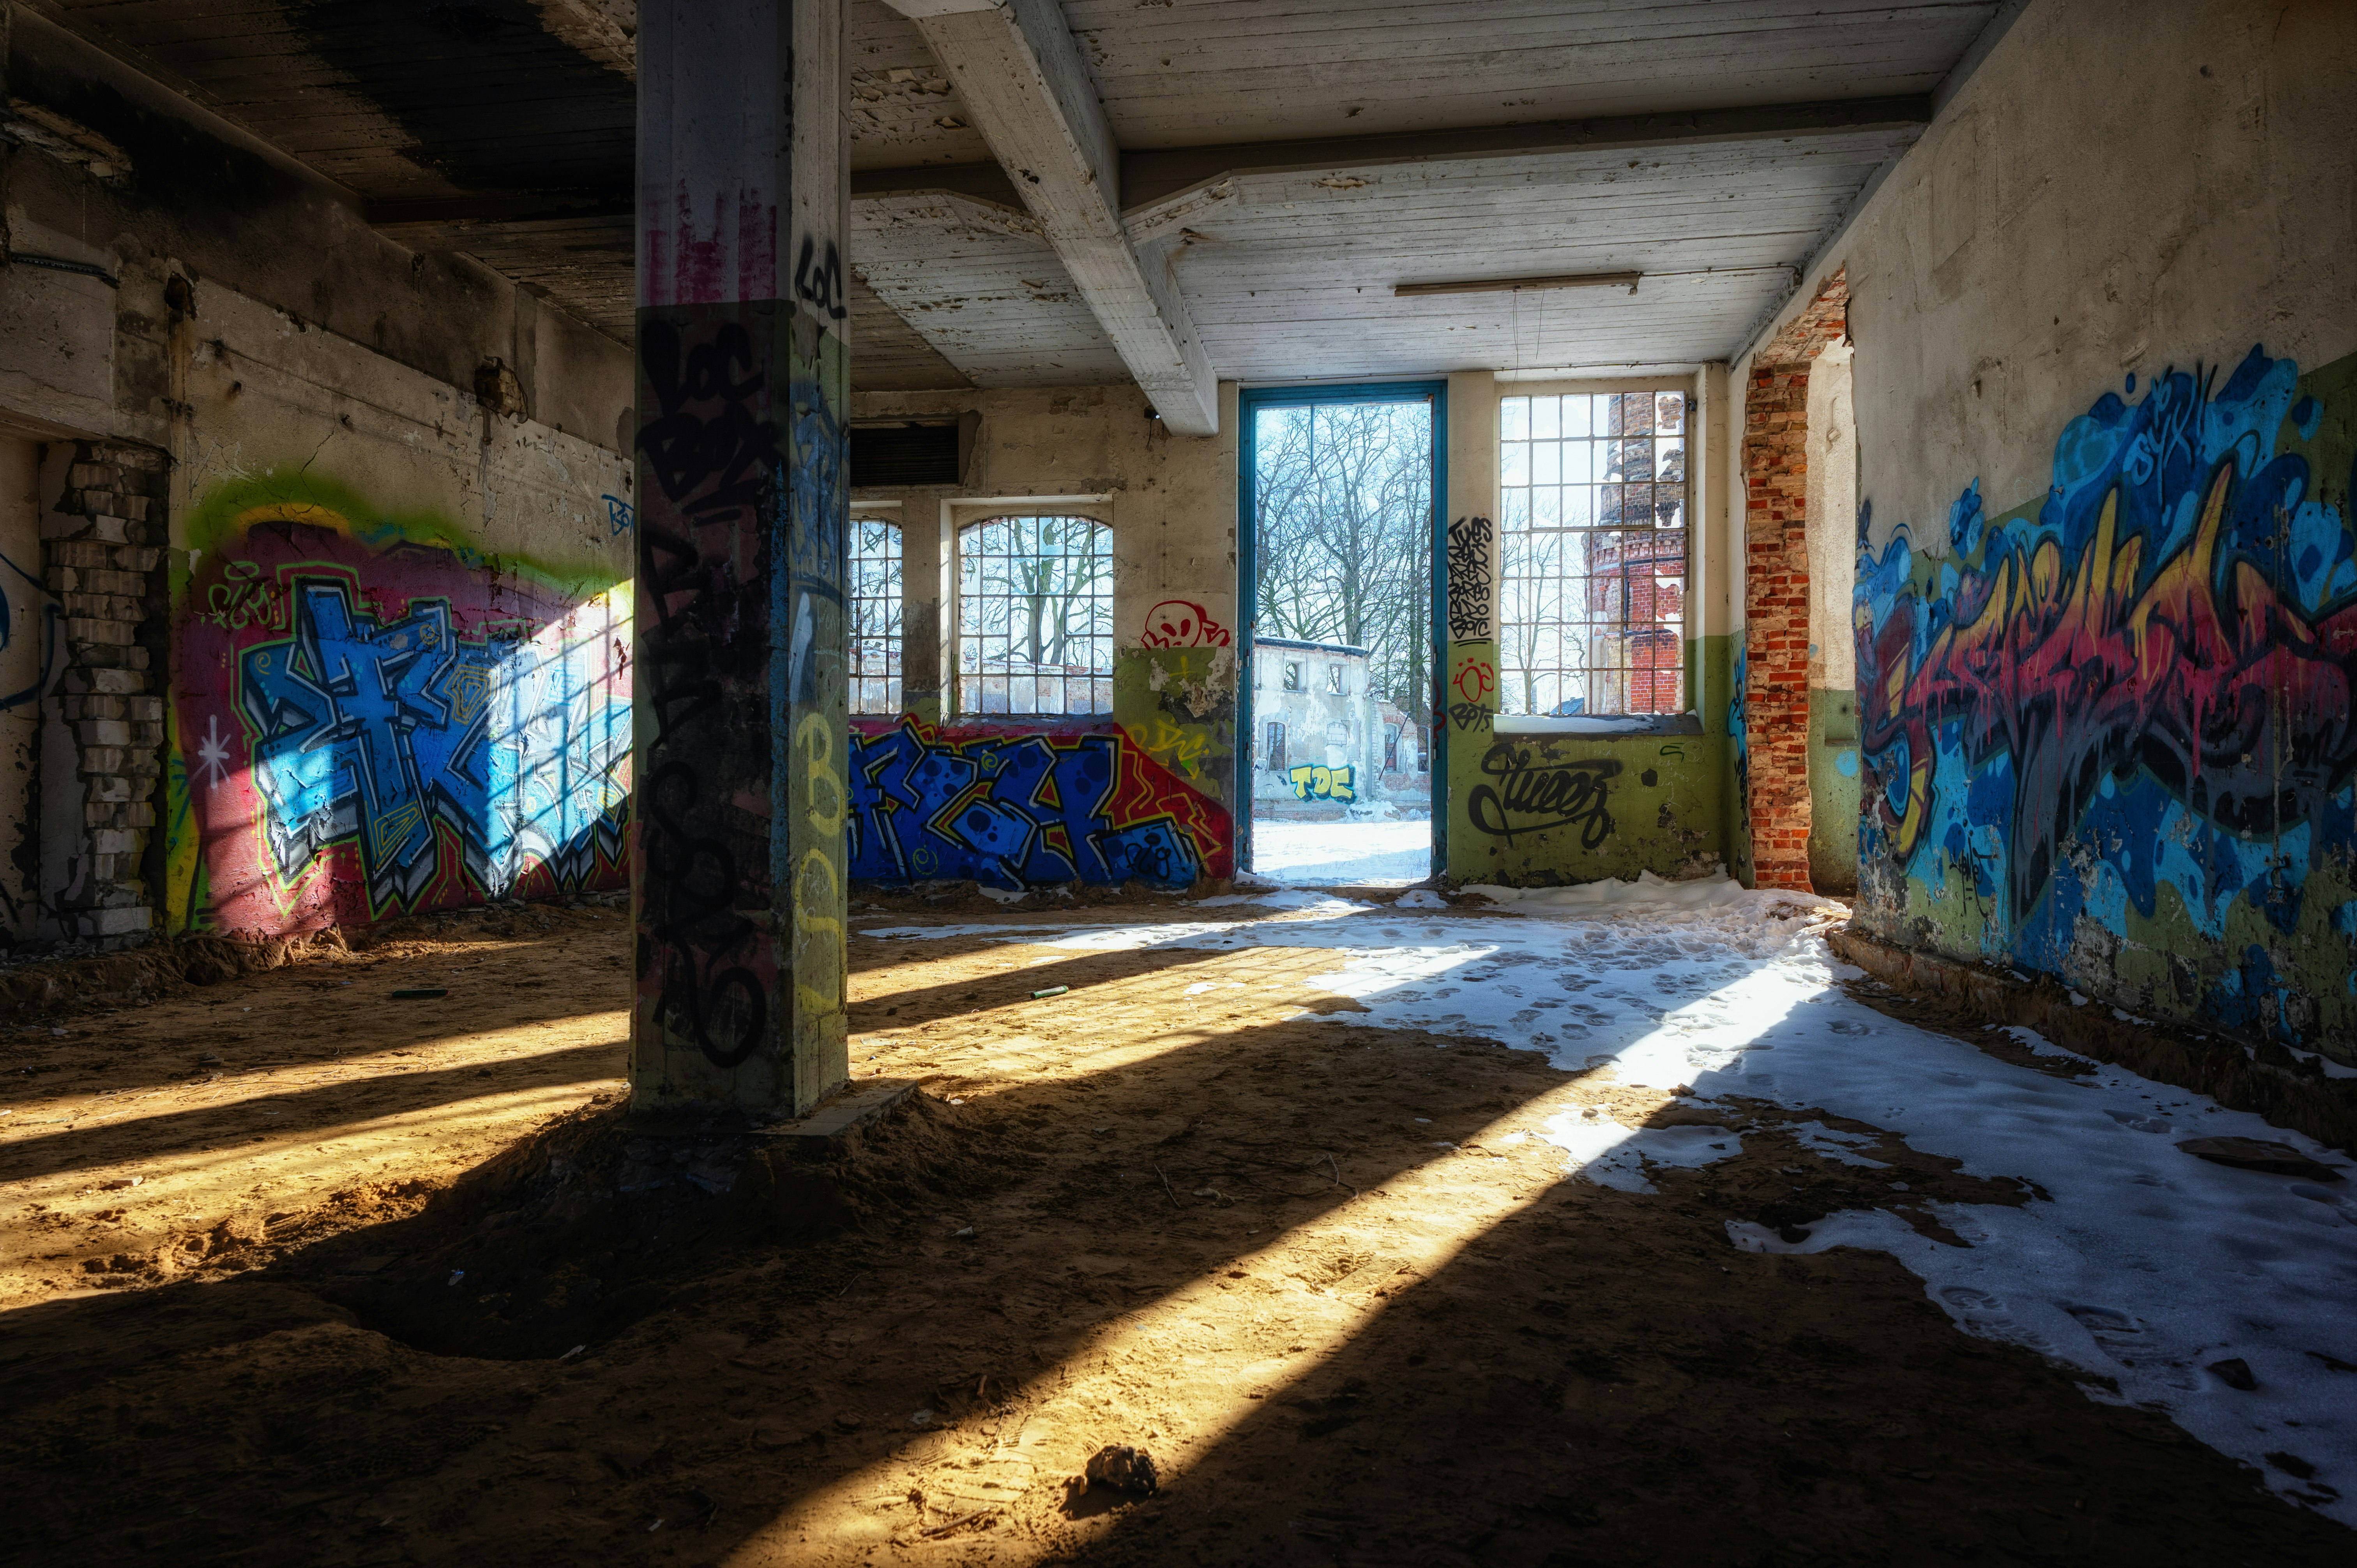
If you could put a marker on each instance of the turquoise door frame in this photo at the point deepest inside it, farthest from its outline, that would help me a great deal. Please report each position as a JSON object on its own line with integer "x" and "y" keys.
{"x": 1249, "y": 402}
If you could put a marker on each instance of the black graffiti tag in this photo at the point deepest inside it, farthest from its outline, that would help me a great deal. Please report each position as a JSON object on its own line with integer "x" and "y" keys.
{"x": 711, "y": 462}
{"x": 712, "y": 456}
{"x": 1470, "y": 540}
{"x": 1470, "y": 716}
{"x": 1532, "y": 796}
{"x": 819, "y": 284}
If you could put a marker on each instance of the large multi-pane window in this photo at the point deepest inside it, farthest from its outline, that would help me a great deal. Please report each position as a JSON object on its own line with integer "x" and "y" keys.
{"x": 875, "y": 606}
{"x": 1035, "y": 616}
{"x": 1592, "y": 553}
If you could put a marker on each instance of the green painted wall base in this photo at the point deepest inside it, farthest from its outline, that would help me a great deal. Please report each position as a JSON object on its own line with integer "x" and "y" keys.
{"x": 1538, "y": 810}
{"x": 1833, "y": 792}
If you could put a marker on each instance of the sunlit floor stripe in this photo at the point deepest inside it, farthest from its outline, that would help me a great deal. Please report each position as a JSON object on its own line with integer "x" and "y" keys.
{"x": 1428, "y": 1214}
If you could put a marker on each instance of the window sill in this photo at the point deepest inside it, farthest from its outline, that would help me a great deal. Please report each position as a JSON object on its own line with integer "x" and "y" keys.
{"x": 1598, "y": 726}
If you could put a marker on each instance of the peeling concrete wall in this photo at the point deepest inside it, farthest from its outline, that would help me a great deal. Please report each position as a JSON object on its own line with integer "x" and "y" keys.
{"x": 1832, "y": 512}
{"x": 401, "y": 628}
{"x": 332, "y": 529}
{"x": 2106, "y": 599}
{"x": 1530, "y": 809}
{"x": 1168, "y": 752}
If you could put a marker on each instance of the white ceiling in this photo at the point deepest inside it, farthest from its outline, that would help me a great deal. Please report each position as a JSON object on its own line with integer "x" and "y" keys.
{"x": 1288, "y": 275}
{"x": 1186, "y": 72}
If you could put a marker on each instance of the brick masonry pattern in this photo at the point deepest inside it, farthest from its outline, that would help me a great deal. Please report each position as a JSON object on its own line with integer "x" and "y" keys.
{"x": 1775, "y": 587}
{"x": 104, "y": 561}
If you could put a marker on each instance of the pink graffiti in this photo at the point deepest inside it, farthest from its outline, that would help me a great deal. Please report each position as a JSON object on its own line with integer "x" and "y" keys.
{"x": 1174, "y": 623}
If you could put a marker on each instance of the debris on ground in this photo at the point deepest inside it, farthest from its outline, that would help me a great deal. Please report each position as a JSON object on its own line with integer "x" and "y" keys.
{"x": 1125, "y": 1469}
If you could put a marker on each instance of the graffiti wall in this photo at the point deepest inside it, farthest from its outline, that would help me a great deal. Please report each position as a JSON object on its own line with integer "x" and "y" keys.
{"x": 2107, "y": 736}
{"x": 1009, "y": 808}
{"x": 371, "y": 718}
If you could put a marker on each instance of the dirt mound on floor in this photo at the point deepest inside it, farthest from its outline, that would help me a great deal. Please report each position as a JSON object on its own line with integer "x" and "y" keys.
{"x": 578, "y": 1232}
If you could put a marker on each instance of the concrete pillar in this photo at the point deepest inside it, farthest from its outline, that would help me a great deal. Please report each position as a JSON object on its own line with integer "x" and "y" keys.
{"x": 739, "y": 685}
{"x": 1465, "y": 687}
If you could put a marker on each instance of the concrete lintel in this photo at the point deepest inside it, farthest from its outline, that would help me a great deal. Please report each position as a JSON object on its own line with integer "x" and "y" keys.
{"x": 1022, "y": 80}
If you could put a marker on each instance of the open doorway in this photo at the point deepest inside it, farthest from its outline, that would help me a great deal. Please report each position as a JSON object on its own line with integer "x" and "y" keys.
{"x": 1338, "y": 514}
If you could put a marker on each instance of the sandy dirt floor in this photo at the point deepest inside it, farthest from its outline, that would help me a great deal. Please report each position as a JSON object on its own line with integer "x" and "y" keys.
{"x": 1319, "y": 1270}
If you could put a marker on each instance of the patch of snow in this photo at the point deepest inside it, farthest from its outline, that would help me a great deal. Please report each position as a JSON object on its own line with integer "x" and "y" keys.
{"x": 2132, "y": 1260}
{"x": 1610, "y": 1155}
{"x": 1835, "y": 1144}
{"x": 1002, "y": 894}
{"x": 2331, "y": 1068}
{"x": 1290, "y": 899}
{"x": 1571, "y": 723}
{"x": 1420, "y": 898}
{"x": 1321, "y": 855}
{"x": 1646, "y": 892}
{"x": 2039, "y": 1044}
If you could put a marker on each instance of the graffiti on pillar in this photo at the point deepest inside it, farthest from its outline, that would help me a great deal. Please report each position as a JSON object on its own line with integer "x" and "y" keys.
{"x": 818, "y": 279}
{"x": 1526, "y": 790}
{"x": 1470, "y": 542}
{"x": 2126, "y": 708}
{"x": 1010, "y": 808}
{"x": 1316, "y": 781}
{"x": 707, "y": 965}
{"x": 367, "y": 721}
{"x": 1174, "y": 623}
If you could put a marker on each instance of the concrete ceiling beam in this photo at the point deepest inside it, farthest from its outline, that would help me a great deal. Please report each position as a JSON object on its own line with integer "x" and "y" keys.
{"x": 1023, "y": 82}
{"x": 1155, "y": 181}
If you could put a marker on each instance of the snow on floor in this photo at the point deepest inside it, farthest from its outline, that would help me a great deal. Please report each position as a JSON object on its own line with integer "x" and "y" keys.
{"x": 2141, "y": 1264}
{"x": 1319, "y": 855}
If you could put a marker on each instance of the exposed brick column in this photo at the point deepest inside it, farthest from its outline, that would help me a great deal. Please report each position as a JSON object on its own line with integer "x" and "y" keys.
{"x": 104, "y": 560}
{"x": 1776, "y": 588}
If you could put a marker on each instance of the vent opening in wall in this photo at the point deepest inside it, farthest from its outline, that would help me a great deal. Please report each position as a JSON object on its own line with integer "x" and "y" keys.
{"x": 906, "y": 453}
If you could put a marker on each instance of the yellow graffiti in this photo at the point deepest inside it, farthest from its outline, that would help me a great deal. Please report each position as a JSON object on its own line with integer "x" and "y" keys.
{"x": 818, "y": 885}
{"x": 812, "y": 926}
{"x": 815, "y": 737}
{"x": 1312, "y": 781}
{"x": 1178, "y": 746}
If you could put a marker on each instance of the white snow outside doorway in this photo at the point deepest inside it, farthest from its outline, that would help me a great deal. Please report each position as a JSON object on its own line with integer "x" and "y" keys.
{"x": 2135, "y": 1263}
{"x": 1329, "y": 855}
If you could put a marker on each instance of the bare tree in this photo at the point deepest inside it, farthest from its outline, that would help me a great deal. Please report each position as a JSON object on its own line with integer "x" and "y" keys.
{"x": 1344, "y": 510}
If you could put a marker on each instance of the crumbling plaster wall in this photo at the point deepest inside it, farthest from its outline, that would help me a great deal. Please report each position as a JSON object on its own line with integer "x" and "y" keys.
{"x": 2107, "y": 608}
{"x": 231, "y": 385}
{"x": 401, "y": 632}
{"x": 1832, "y": 544}
{"x": 1527, "y": 807}
{"x": 1171, "y": 502}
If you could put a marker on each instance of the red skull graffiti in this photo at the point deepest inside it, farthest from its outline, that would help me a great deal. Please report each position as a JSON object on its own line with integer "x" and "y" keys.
{"x": 1174, "y": 623}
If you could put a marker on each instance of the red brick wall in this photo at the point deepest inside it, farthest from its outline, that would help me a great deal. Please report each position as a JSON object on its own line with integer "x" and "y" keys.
{"x": 1775, "y": 587}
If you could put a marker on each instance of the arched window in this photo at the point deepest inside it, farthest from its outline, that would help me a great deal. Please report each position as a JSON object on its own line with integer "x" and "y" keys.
{"x": 1035, "y": 616}
{"x": 875, "y": 607}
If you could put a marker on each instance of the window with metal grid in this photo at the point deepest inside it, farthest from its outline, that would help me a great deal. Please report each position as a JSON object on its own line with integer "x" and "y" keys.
{"x": 1592, "y": 553}
{"x": 875, "y": 602}
{"x": 1035, "y": 616}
